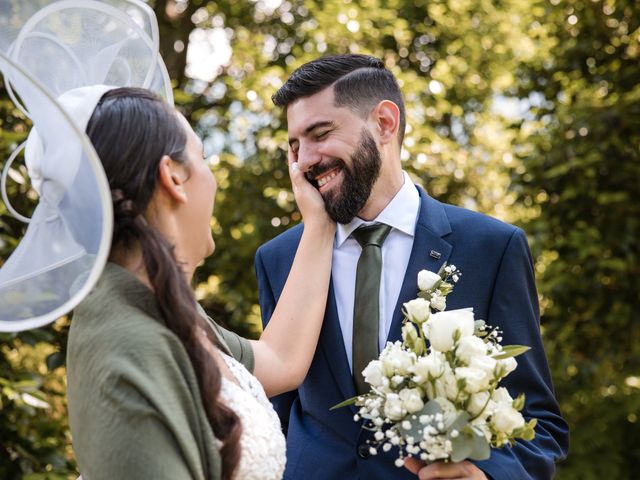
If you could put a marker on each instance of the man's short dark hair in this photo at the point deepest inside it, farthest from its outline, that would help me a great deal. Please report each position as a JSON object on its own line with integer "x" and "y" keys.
{"x": 360, "y": 82}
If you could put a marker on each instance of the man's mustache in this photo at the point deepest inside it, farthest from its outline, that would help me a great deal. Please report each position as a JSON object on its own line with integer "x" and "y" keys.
{"x": 320, "y": 169}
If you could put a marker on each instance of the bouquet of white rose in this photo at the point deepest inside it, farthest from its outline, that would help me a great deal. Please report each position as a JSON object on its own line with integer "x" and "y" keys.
{"x": 442, "y": 401}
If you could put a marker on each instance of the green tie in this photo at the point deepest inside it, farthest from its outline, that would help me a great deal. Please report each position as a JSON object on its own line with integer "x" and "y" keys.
{"x": 366, "y": 307}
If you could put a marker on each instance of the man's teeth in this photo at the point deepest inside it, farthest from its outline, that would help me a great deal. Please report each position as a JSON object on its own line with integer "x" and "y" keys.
{"x": 323, "y": 181}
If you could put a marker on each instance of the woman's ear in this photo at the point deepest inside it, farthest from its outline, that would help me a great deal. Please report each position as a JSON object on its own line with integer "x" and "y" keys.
{"x": 386, "y": 116}
{"x": 171, "y": 178}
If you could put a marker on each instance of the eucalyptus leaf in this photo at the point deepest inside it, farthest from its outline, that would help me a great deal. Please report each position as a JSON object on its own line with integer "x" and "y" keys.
{"x": 430, "y": 408}
{"x": 469, "y": 444}
{"x": 459, "y": 424}
{"x": 346, "y": 403}
{"x": 462, "y": 447}
{"x": 481, "y": 448}
{"x": 511, "y": 351}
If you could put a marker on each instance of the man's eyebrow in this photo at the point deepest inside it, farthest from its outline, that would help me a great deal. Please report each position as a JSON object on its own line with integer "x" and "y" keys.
{"x": 312, "y": 127}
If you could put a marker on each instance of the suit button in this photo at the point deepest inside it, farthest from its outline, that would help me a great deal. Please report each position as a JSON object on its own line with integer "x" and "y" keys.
{"x": 363, "y": 451}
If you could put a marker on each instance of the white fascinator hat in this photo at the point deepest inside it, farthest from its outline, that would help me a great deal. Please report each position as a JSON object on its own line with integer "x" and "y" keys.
{"x": 58, "y": 58}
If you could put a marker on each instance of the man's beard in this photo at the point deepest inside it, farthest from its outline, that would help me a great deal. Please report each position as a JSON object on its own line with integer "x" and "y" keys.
{"x": 344, "y": 203}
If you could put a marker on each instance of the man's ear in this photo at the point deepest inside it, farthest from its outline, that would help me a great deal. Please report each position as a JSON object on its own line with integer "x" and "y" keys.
{"x": 386, "y": 116}
{"x": 171, "y": 178}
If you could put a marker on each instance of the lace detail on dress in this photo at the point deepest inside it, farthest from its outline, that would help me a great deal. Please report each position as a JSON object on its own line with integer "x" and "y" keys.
{"x": 262, "y": 443}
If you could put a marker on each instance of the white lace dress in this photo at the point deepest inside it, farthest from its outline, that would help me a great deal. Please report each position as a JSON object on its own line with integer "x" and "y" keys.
{"x": 262, "y": 443}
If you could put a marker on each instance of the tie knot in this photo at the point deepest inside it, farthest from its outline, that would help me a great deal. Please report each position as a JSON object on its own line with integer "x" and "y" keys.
{"x": 371, "y": 234}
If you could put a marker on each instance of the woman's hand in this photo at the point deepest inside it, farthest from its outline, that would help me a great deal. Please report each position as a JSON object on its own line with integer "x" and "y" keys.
{"x": 308, "y": 198}
{"x": 286, "y": 348}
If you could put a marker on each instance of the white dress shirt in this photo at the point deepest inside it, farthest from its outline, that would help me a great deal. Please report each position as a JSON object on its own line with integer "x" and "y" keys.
{"x": 401, "y": 214}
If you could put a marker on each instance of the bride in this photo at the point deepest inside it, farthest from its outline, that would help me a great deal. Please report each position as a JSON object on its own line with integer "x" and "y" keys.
{"x": 156, "y": 389}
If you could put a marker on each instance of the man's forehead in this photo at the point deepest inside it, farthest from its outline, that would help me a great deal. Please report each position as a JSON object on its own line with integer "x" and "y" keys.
{"x": 313, "y": 109}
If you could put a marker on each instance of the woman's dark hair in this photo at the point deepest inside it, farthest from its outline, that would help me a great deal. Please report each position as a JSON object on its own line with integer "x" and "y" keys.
{"x": 359, "y": 82}
{"x": 131, "y": 130}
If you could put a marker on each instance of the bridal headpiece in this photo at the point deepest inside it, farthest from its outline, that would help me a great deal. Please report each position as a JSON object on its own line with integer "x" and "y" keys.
{"x": 57, "y": 58}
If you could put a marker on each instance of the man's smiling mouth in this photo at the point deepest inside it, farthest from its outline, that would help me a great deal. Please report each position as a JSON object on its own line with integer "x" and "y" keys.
{"x": 326, "y": 177}
{"x": 321, "y": 176}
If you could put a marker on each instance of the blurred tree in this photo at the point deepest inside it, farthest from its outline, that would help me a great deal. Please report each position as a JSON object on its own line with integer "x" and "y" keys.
{"x": 581, "y": 154}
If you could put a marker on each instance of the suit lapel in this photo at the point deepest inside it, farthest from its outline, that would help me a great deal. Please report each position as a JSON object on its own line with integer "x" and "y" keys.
{"x": 332, "y": 344}
{"x": 431, "y": 226}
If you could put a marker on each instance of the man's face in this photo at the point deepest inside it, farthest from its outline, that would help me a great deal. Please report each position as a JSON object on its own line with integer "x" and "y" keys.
{"x": 335, "y": 149}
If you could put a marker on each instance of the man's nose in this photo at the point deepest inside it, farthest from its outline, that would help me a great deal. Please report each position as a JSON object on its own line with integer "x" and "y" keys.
{"x": 308, "y": 156}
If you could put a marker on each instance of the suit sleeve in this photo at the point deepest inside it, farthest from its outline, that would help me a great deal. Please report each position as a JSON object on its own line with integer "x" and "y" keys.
{"x": 282, "y": 403}
{"x": 514, "y": 308}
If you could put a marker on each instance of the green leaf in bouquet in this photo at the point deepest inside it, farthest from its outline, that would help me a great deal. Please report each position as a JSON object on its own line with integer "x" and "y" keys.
{"x": 518, "y": 403}
{"x": 527, "y": 432}
{"x": 481, "y": 446}
{"x": 412, "y": 340}
{"x": 426, "y": 294}
{"x": 430, "y": 408}
{"x": 511, "y": 351}
{"x": 480, "y": 328}
{"x": 346, "y": 403}
{"x": 461, "y": 421}
{"x": 470, "y": 443}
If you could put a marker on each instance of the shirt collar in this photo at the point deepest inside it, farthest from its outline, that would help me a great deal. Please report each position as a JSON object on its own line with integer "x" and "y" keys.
{"x": 401, "y": 213}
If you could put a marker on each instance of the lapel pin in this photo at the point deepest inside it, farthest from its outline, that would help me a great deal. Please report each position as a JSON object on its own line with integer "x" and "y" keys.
{"x": 435, "y": 254}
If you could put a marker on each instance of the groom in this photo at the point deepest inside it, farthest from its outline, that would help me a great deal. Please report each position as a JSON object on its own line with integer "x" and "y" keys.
{"x": 346, "y": 122}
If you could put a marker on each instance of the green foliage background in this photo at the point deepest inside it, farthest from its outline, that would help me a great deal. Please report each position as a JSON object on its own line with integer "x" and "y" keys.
{"x": 528, "y": 110}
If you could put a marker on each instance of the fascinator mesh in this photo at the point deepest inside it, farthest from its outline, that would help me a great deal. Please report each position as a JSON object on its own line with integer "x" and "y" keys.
{"x": 58, "y": 58}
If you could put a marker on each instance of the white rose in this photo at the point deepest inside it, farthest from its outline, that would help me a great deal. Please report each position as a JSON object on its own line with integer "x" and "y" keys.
{"x": 480, "y": 423}
{"x": 443, "y": 325}
{"x": 501, "y": 395}
{"x": 395, "y": 360}
{"x": 430, "y": 366}
{"x": 478, "y": 402}
{"x": 393, "y": 407}
{"x": 402, "y": 362}
{"x": 486, "y": 364}
{"x": 439, "y": 390}
{"x": 507, "y": 366}
{"x": 506, "y": 418}
{"x": 476, "y": 379}
{"x": 439, "y": 302}
{"x": 427, "y": 279}
{"x": 470, "y": 347}
{"x": 373, "y": 373}
{"x": 418, "y": 310}
{"x": 387, "y": 367}
{"x": 451, "y": 385}
{"x": 411, "y": 400}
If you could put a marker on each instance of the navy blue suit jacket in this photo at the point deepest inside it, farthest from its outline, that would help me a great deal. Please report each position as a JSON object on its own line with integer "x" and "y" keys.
{"x": 497, "y": 281}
